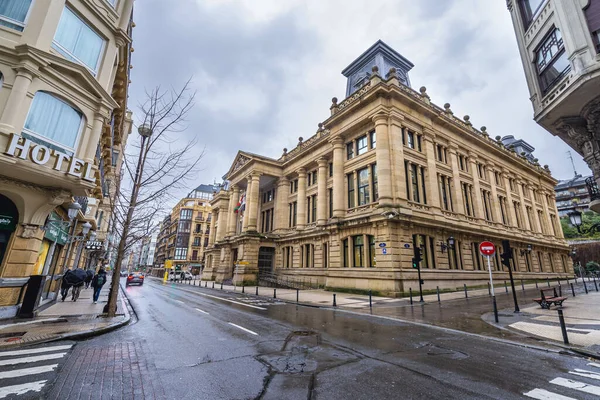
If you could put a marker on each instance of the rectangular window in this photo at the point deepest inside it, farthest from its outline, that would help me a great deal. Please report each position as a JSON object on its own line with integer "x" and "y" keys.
{"x": 372, "y": 261}
{"x": 530, "y": 10}
{"x": 486, "y": 206}
{"x": 441, "y": 153}
{"x": 410, "y": 139}
{"x": 349, "y": 150}
{"x": 374, "y": 178}
{"x": 194, "y": 255}
{"x": 476, "y": 257}
{"x": 330, "y": 198}
{"x": 198, "y": 228}
{"x": 551, "y": 61}
{"x": 313, "y": 201}
{"x": 358, "y": 245}
{"x": 351, "y": 200}
{"x": 466, "y": 189}
{"x": 445, "y": 192}
{"x": 414, "y": 175}
{"x": 325, "y": 257}
{"x": 13, "y": 13}
{"x": 423, "y": 185}
{"x": 462, "y": 163}
{"x": 373, "y": 139}
{"x": 364, "y": 196}
{"x": 77, "y": 41}
{"x": 293, "y": 213}
{"x": 480, "y": 171}
{"x": 330, "y": 170}
{"x": 517, "y": 215}
{"x": 407, "y": 178}
{"x": 185, "y": 213}
{"x": 361, "y": 145}
{"x": 345, "y": 252}
{"x": 196, "y": 241}
{"x": 419, "y": 148}
{"x": 497, "y": 177}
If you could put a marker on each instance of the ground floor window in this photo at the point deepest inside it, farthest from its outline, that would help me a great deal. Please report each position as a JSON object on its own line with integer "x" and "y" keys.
{"x": 477, "y": 264}
{"x": 540, "y": 257}
{"x": 358, "y": 245}
{"x": 325, "y": 248}
{"x": 345, "y": 252}
{"x": 455, "y": 256}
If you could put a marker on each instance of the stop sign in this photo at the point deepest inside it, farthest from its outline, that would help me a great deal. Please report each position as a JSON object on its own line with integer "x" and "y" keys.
{"x": 487, "y": 248}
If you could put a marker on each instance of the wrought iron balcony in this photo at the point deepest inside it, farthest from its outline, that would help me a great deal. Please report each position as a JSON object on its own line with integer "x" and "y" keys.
{"x": 592, "y": 188}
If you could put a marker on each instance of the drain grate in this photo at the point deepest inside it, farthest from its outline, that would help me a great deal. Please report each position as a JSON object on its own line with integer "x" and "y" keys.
{"x": 11, "y": 334}
{"x": 57, "y": 321}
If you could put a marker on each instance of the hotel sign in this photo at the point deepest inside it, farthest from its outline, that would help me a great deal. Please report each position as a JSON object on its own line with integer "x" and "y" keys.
{"x": 26, "y": 149}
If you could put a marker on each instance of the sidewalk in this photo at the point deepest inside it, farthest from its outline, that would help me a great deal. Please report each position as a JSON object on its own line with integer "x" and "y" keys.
{"x": 64, "y": 320}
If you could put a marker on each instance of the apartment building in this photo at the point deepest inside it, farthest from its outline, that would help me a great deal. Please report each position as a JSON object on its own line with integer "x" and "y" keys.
{"x": 387, "y": 171}
{"x": 64, "y": 76}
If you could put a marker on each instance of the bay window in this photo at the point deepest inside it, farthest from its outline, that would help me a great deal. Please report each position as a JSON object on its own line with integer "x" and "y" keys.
{"x": 77, "y": 41}
{"x": 530, "y": 10}
{"x": 13, "y": 13}
{"x": 53, "y": 120}
{"x": 551, "y": 60}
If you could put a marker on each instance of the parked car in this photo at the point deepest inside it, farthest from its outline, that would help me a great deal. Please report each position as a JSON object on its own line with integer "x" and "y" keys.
{"x": 135, "y": 278}
{"x": 123, "y": 274}
{"x": 181, "y": 275}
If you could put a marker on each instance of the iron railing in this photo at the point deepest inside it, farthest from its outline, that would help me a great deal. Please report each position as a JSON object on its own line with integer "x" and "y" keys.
{"x": 592, "y": 188}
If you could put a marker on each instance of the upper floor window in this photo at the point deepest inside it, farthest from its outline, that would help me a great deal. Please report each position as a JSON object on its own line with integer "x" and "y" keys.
{"x": 350, "y": 150}
{"x": 530, "y": 10}
{"x": 112, "y": 2}
{"x": 463, "y": 164}
{"x": 361, "y": 145}
{"x": 551, "y": 60}
{"x": 185, "y": 214}
{"x": 13, "y": 13}
{"x": 54, "y": 120}
{"x": 77, "y": 41}
{"x": 294, "y": 186}
{"x": 373, "y": 139}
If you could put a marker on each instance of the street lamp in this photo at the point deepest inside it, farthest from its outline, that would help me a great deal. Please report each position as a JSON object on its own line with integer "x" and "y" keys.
{"x": 575, "y": 217}
{"x": 527, "y": 250}
{"x": 85, "y": 228}
{"x": 73, "y": 210}
{"x": 145, "y": 130}
{"x": 449, "y": 244}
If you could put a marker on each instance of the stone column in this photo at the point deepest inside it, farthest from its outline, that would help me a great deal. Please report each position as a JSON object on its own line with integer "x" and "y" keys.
{"x": 222, "y": 228}
{"x": 509, "y": 200}
{"x": 433, "y": 192}
{"x": 301, "y": 211}
{"x": 281, "y": 203}
{"x": 495, "y": 203}
{"x": 15, "y": 101}
{"x": 89, "y": 144}
{"x": 521, "y": 190}
{"x": 559, "y": 232}
{"x": 477, "y": 198}
{"x": 252, "y": 202}
{"x": 339, "y": 210}
{"x": 398, "y": 172}
{"x": 231, "y": 214}
{"x": 459, "y": 203}
{"x": 384, "y": 171}
{"x": 322, "y": 192}
{"x": 247, "y": 209}
{"x": 212, "y": 233}
{"x": 536, "y": 226}
{"x": 126, "y": 9}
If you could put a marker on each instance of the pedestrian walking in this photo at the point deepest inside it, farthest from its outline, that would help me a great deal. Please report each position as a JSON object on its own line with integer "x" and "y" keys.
{"x": 97, "y": 282}
{"x": 88, "y": 278}
{"x": 65, "y": 285}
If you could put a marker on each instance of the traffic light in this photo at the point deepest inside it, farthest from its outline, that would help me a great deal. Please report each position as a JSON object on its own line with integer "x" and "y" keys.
{"x": 415, "y": 263}
{"x": 506, "y": 255}
{"x": 418, "y": 257}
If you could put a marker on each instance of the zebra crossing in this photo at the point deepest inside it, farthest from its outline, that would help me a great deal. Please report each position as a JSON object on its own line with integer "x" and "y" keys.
{"x": 571, "y": 387}
{"x": 24, "y": 373}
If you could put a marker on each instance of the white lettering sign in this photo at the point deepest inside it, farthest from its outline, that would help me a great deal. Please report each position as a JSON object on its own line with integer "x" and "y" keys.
{"x": 39, "y": 154}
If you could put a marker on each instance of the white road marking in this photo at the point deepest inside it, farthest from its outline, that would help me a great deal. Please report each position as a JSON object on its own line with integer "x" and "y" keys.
{"x": 582, "y": 387}
{"x": 232, "y": 301}
{"x": 542, "y": 394}
{"x": 27, "y": 371}
{"x": 21, "y": 389}
{"x": 179, "y": 301}
{"x": 594, "y": 365}
{"x": 244, "y": 329}
{"x": 34, "y": 351}
{"x": 14, "y": 361}
{"x": 586, "y": 374}
{"x": 203, "y": 312}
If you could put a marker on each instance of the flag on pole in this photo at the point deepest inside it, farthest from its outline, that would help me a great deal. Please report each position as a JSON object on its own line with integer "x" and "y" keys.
{"x": 241, "y": 204}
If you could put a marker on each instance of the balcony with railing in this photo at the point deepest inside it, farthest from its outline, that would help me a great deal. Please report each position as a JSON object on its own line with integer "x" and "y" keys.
{"x": 594, "y": 193}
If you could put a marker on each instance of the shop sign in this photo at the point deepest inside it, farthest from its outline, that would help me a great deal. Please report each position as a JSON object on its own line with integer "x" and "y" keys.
{"x": 7, "y": 222}
{"x": 40, "y": 155}
{"x": 55, "y": 231}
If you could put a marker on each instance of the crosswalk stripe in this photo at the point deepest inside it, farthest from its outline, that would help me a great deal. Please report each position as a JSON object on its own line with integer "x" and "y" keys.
{"x": 582, "y": 387}
{"x": 22, "y": 360}
{"x": 202, "y": 311}
{"x": 542, "y": 394}
{"x": 21, "y": 389}
{"x": 27, "y": 371}
{"x": 585, "y": 374}
{"x": 34, "y": 351}
{"x": 594, "y": 365}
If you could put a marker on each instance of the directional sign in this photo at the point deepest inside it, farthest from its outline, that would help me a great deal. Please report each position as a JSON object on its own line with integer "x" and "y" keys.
{"x": 382, "y": 244}
{"x": 384, "y": 250}
{"x": 487, "y": 248}
{"x": 407, "y": 246}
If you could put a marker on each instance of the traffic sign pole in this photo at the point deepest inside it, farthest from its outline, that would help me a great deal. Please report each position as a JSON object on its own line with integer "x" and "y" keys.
{"x": 492, "y": 286}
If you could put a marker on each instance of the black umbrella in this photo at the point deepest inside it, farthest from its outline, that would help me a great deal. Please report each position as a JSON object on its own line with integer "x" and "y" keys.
{"x": 75, "y": 277}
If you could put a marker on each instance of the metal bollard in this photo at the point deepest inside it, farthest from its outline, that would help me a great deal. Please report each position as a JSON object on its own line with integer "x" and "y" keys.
{"x": 438, "y": 294}
{"x": 536, "y": 284}
{"x": 505, "y": 287}
{"x": 213, "y": 286}
{"x": 410, "y": 293}
{"x": 243, "y": 287}
{"x": 568, "y": 281}
{"x": 257, "y": 290}
{"x": 563, "y": 327}
{"x": 489, "y": 290}
{"x": 275, "y": 293}
{"x": 522, "y": 285}
{"x": 466, "y": 294}
{"x": 334, "y": 303}
{"x": 370, "y": 300}
{"x": 572, "y": 290}
{"x": 221, "y": 285}
{"x": 548, "y": 281}
{"x": 596, "y": 284}
{"x": 559, "y": 290}
{"x": 584, "y": 285}
{"x": 297, "y": 295}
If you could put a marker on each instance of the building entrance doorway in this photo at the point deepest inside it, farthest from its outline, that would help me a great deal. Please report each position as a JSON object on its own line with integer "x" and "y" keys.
{"x": 266, "y": 255}
{"x": 9, "y": 216}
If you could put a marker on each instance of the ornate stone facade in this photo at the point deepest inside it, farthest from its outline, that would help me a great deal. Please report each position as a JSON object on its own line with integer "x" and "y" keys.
{"x": 386, "y": 172}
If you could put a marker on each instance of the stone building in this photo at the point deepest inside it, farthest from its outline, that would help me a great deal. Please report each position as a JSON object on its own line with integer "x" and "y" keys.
{"x": 572, "y": 195}
{"x": 387, "y": 171}
{"x": 64, "y": 77}
{"x": 559, "y": 43}
{"x": 183, "y": 234}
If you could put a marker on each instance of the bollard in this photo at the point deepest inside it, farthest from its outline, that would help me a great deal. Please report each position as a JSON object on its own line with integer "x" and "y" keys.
{"x": 410, "y": 293}
{"x": 522, "y": 285}
{"x": 489, "y": 290}
{"x": 438, "y": 293}
{"x": 370, "y": 301}
{"x": 536, "y": 284}
{"x": 275, "y": 293}
{"x": 563, "y": 327}
{"x": 221, "y": 285}
{"x": 297, "y": 295}
{"x": 584, "y": 285}
{"x": 505, "y": 287}
{"x": 568, "y": 281}
{"x": 466, "y": 294}
{"x": 206, "y": 284}
{"x": 572, "y": 290}
{"x": 213, "y": 286}
{"x": 548, "y": 281}
{"x": 334, "y": 303}
{"x": 596, "y": 284}
{"x": 243, "y": 287}
{"x": 257, "y": 290}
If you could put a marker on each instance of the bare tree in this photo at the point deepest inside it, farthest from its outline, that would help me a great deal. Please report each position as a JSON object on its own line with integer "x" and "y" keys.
{"x": 154, "y": 168}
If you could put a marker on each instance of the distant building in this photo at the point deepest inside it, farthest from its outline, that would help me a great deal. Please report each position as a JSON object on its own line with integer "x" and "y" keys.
{"x": 148, "y": 250}
{"x": 572, "y": 194}
{"x": 520, "y": 147}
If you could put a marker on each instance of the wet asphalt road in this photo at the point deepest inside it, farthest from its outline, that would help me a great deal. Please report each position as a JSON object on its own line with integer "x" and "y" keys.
{"x": 201, "y": 343}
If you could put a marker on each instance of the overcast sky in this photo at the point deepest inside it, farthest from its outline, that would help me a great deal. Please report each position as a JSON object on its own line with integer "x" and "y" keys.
{"x": 265, "y": 70}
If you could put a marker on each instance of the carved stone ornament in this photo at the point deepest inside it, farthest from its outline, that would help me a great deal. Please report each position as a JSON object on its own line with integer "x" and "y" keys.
{"x": 29, "y": 231}
{"x": 574, "y": 130}
{"x": 240, "y": 162}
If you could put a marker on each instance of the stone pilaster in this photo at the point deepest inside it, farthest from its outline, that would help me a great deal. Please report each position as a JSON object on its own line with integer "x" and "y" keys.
{"x": 212, "y": 234}
{"x": 509, "y": 200}
{"x": 222, "y": 222}
{"x": 459, "y": 203}
{"x": 520, "y": 187}
{"x": 398, "y": 173}
{"x": 231, "y": 214}
{"x": 322, "y": 192}
{"x": 477, "y": 198}
{"x": 339, "y": 209}
{"x": 252, "y": 201}
{"x": 15, "y": 101}
{"x": 247, "y": 209}
{"x": 536, "y": 225}
{"x": 281, "y": 203}
{"x": 301, "y": 211}
{"x": 433, "y": 192}
{"x": 495, "y": 203}
{"x": 384, "y": 171}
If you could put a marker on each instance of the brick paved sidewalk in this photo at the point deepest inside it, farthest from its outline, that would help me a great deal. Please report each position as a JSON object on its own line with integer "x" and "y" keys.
{"x": 64, "y": 320}
{"x": 115, "y": 371}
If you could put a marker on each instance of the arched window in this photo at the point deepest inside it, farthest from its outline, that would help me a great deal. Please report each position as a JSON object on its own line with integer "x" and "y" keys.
{"x": 53, "y": 120}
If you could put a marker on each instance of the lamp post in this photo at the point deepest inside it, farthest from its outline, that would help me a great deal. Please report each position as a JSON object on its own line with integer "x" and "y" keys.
{"x": 575, "y": 217}
{"x": 72, "y": 214}
{"x": 85, "y": 228}
{"x": 145, "y": 131}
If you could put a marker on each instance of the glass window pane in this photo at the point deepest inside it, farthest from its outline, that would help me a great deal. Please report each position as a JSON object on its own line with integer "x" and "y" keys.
{"x": 13, "y": 13}
{"x": 77, "y": 41}
{"x": 361, "y": 145}
{"x": 54, "y": 119}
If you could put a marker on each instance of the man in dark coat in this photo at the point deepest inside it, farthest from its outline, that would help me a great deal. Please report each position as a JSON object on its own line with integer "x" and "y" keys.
{"x": 97, "y": 283}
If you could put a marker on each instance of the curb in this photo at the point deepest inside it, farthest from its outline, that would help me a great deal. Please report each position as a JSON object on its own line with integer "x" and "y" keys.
{"x": 78, "y": 335}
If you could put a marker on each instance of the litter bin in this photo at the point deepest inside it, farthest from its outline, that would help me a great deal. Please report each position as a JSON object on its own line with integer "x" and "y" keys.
{"x": 32, "y": 296}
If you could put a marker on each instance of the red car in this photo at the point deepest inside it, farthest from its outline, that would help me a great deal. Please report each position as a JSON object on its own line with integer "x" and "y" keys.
{"x": 135, "y": 278}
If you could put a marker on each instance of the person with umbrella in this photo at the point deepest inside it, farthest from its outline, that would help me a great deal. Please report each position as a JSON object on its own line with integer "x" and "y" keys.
{"x": 89, "y": 277}
{"x": 73, "y": 278}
